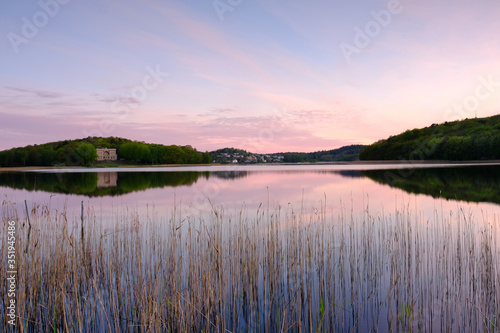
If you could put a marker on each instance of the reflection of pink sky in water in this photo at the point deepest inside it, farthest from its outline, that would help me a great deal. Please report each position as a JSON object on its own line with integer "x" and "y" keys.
{"x": 305, "y": 187}
{"x": 415, "y": 237}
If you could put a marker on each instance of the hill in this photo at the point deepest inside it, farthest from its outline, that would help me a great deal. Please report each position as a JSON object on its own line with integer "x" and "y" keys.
{"x": 82, "y": 152}
{"x": 232, "y": 155}
{"x": 469, "y": 139}
{"x": 342, "y": 154}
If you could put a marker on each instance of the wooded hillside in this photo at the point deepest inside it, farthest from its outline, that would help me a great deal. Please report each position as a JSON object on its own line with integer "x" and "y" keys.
{"x": 82, "y": 152}
{"x": 469, "y": 139}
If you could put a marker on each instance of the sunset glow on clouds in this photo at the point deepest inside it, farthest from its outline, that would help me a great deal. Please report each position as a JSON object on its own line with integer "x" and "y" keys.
{"x": 271, "y": 76}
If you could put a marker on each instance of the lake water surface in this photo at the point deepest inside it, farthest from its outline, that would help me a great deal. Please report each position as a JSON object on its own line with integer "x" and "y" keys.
{"x": 475, "y": 188}
{"x": 373, "y": 247}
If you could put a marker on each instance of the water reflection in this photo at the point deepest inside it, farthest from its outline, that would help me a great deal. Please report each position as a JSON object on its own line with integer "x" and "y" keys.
{"x": 322, "y": 248}
{"x": 472, "y": 184}
{"x": 230, "y": 174}
{"x": 107, "y": 179}
{"x": 97, "y": 184}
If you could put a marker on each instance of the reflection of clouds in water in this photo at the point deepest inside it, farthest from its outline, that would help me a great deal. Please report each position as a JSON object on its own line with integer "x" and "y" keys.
{"x": 194, "y": 193}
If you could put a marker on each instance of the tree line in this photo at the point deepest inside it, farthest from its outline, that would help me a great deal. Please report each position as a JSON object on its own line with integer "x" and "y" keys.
{"x": 142, "y": 153}
{"x": 469, "y": 139}
{"x": 83, "y": 152}
{"x": 343, "y": 154}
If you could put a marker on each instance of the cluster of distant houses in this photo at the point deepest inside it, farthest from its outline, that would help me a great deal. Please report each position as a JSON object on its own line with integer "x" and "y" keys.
{"x": 251, "y": 158}
{"x": 109, "y": 154}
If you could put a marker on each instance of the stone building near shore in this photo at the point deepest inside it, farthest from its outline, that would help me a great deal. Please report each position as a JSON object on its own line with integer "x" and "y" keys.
{"x": 106, "y": 154}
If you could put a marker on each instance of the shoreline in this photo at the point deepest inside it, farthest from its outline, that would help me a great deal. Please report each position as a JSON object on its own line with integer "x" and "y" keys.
{"x": 34, "y": 168}
{"x": 353, "y": 163}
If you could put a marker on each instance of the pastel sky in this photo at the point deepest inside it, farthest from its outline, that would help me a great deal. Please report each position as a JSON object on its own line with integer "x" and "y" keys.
{"x": 261, "y": 75}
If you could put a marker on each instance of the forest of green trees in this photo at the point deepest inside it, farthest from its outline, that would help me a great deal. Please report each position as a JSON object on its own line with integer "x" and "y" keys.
{"x": 343, "y": 154}
{"x": 83, "y": 153}
{"x": 469, "y": 139}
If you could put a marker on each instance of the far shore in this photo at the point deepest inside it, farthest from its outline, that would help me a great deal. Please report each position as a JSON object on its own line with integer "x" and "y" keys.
{"x": 31, "y": 168}
{"x": 354, "y": 163}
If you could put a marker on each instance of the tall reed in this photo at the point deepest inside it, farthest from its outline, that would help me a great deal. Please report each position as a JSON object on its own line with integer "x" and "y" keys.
{"x": 274, "y": 268}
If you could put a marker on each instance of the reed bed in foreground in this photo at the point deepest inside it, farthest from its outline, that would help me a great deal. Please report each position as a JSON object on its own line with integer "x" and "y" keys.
{"x": 274, "y": 269}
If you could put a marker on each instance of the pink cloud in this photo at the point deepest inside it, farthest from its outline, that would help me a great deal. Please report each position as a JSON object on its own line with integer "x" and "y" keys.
{"x": 22, "y": 130}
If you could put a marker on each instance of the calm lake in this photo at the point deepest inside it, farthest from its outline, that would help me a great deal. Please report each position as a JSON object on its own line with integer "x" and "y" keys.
{"x": 370, "y": 247}
{"x": 472, "y": 187}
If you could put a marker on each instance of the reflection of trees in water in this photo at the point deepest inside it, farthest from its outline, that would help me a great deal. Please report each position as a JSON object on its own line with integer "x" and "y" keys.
{"x": 243, "y": 174}
{"x": 351, "y": 173}
{"x": 70, "y": 183}
{"x": 136, "y": 181}
{"x": 476, "y": 184}
{"x": 229, "y": 174}
{"x": 343, "y": 173}
{"x": 86, "y": 183}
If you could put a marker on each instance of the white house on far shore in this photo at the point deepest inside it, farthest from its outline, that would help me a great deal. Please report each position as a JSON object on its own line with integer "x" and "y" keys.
{"x": 106, "y": 154}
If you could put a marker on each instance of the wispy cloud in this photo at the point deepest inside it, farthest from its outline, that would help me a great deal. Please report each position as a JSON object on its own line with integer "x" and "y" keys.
{"x": 119, "y": 99}
{"x": 22, "y": 130}
{"x": 229, "y": 78}
{"x": 36, "y": 92}
{"x": 217, "y": 112}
